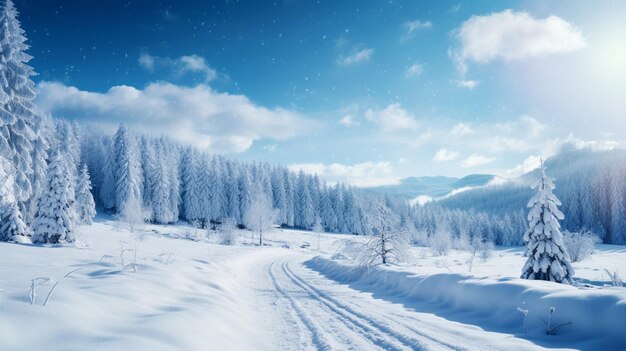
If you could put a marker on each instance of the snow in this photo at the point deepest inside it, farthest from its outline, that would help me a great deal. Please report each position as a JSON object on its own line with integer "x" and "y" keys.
{"x": 190, "y": 293}
{"x": 597, "y": 316}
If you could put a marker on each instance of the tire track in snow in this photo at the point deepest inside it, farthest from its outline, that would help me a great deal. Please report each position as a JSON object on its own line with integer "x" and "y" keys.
{"x": 319, "y": 340}
{"x": 367, "y": 321}
{"x": 378, "y": 336}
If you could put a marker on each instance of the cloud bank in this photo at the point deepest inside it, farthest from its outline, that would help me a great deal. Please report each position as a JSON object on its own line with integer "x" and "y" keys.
{"x": 218, "y": 122}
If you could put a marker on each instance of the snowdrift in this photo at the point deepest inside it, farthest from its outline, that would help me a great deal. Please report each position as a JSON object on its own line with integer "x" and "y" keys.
{"x": 583, "y": 318}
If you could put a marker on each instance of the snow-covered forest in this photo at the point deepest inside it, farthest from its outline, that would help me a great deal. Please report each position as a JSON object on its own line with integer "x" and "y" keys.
{"x": 590, "y": 183}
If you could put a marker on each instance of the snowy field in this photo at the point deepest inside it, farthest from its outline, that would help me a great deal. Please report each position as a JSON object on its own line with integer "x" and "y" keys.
{"x": 176, "y": 289}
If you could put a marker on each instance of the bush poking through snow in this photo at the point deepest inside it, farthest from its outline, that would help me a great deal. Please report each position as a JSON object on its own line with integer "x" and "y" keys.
{"x": 166, "y": 257}
{"x": 228, "y": 235}
{"x": 580, "y": 244}
{"x": 126, "y": 250}
{"x": 34, "y": 283}
{"x": 525, "y": 313}
{"x": 550, "y": 329}
{"x": 616, "y": 280}
{"x": 441, "y": 242}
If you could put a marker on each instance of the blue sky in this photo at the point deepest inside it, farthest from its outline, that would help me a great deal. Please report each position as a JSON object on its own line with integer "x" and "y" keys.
{"x": 360, "y": 91}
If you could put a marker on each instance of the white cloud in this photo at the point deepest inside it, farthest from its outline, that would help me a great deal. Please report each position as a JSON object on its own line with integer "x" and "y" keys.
{"x": 421, "y": 200}
{"x": 444, "y": 155}
{"x": 392, "y": 118}
{"x": 197, "y": 115}
{"x": 476, "y": 160}
{"x": 270, "y": 147}
{"x": 179, "y": 66}
{"x": 461, "y": 129}
{"x": 415, "y": 70}
{"x": 533, "y": 125}
{"x": 357, "y": 57}
{"x": 509, "y": 35}
{"x": 529, "y": 164}
{"x": 366, "y": 174}
{"x": 467, "y": 84}
{"x": 412, "y": 26}
{"x": 147, "y": 61}
{"x": 348, "y": 121}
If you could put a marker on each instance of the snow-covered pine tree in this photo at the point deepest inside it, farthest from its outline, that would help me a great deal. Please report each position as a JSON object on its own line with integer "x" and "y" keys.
{"x": 41, "y": 144}
{"x": 190, "y": 184}
{"x": 232, "y": 191}
{"x": 617, "y": 210}
{"x": 107, "y": 190}
{"x": 304, "y": 211}
{"x": 161, "y": 189}
{"x": 547, "y": 257}
{"x": 279, "y": 195}
{"x": 216, "y": 188}
{"x": 85, "y": 206}
{"x": 290, "y": 201}
{"x": 53, "y": 222}
{"x": 128, "y": 172}
{"x": 12, "y": 227}
{"x": 148, "y": 164}
{"x": 17, "y": 92}
{"x": 245, "y": 195}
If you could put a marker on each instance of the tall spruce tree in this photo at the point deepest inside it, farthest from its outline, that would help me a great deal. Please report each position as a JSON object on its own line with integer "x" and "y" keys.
{"x": 547, "y": 257}
{"x": 54, "y": 220}
{"x": 12, "y": 227}
{"x": 85, "y": 205}
{"x": 128, "y": 174}
{"x": 17, "y": 118}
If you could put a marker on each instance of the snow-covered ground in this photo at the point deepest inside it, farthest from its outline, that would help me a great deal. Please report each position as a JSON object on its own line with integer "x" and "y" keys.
{"x": 180, "y": 290}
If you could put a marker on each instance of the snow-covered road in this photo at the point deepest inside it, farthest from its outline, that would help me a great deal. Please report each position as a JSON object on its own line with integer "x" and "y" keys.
{"x": 245, "y": 297}
{"x": 307, "y": 311}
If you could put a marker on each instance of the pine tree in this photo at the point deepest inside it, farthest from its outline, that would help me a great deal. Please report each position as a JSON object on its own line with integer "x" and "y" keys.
{"x": 233, "y": 191}
{"x": 617, "y": 210}
{"x": 148, "y": 164}
{"x": 12, "y": 227}
{"x": 161, "y": 203}
{"x": 305, "y": 213}
{"x": 53, "y": 223}
{"x": 85, "y": 205}
{"x": 40, "y": 165}
{"x": 17, "y": 92}
{"x": 173, "y": 166}
{"x": 107, "y": 191}
{"x": 190, "y": 184}
{"x": 547, "y": 257}
{"x": 128, "y": 173}
{"x": 245, "y": 195}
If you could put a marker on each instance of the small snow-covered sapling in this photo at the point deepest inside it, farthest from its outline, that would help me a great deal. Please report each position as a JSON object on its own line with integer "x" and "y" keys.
{"x": 552, "y": 330}
{"x": 525, "y": 313}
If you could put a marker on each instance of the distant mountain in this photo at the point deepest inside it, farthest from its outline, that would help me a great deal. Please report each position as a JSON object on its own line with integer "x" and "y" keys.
{"x": 433, "y": 187}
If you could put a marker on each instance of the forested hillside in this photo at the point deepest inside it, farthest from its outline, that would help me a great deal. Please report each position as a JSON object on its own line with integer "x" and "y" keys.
{"x": 591, "y": 184}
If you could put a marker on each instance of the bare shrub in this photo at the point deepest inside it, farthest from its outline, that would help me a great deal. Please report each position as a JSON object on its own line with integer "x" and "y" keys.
{"x": 580, "y": 245}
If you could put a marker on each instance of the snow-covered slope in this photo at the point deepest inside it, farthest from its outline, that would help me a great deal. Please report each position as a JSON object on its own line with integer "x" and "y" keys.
{"x": 171, "y": 287}
{"x": 582, "y": 318}
{"x": 434, "y": 187}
